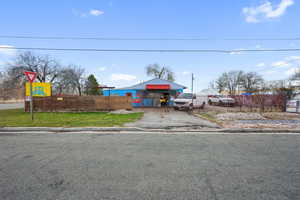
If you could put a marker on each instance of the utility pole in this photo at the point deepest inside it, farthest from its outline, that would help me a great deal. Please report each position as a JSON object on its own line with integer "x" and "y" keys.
{"x": 192, "y": 88}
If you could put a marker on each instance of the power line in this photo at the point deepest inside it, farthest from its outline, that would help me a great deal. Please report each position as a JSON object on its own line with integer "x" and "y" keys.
{"x": 152, "y": 50}
{"x": 144, "y": 39}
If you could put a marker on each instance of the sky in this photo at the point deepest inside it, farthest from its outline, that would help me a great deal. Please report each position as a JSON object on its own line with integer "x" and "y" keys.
{"x": 215, "y": 20}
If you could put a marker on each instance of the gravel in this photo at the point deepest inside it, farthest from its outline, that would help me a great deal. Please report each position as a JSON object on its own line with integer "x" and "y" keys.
{"x": 239, "y": 116}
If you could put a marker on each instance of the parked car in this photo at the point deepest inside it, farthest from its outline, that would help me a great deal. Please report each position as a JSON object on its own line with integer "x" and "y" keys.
{"x": 189, "y": 101}
{"x": 221, "y": 100}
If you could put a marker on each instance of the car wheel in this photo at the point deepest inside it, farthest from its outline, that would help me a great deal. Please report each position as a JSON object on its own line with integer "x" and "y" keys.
{"x": 191, "y": 107}
{"x": 220, "y": 103}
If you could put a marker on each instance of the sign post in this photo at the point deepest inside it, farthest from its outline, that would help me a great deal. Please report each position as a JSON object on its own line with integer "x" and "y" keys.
{"x": 31, "y": 76}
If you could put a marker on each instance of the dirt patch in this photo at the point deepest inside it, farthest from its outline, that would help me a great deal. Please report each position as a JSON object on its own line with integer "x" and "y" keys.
{"x": 230, "y": 118}
{"x": 123, "y": 111}
{"x": 281, "y": 115}
{"x": 239, "y": 116}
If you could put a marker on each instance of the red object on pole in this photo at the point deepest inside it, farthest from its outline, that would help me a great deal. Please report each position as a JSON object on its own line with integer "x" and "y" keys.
{"x": 31, "y": 76}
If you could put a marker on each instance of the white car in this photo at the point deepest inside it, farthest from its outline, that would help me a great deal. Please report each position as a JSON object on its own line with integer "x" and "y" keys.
{"x": 189, "y": 101}
{"x": 221, "y": 100}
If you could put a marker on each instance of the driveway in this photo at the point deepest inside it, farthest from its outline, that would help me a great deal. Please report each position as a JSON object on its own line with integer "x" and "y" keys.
{"x": 157, "y": 119}
{"x": 149, "y": 166}
{"x": 11, "y": 106}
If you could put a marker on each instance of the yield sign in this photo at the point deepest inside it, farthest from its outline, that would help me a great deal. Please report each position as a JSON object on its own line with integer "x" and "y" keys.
{"x": 30, "y": 76}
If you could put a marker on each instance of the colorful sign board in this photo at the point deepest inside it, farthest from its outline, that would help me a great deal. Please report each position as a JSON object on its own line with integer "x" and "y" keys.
{"x": 39, "y": 89}
{"x": 158, "y": 87}
{"x": 31, "y": 76}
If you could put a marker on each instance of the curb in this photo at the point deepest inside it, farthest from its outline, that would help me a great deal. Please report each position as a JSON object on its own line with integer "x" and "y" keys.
{"x": 136, "y": 129}
{"x": 254, "y": 130}
{"x": 61, "y": 129}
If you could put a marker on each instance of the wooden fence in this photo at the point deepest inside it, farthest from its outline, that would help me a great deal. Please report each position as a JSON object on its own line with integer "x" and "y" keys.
{"x": 261, "y": 102}
{"x": 79, "y": 103}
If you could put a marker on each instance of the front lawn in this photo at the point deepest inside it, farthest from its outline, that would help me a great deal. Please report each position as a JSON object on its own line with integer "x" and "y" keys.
{"x": 18, "y": 118}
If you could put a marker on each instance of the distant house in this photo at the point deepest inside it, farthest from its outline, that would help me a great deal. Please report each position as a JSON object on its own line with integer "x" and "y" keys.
{"x": 147, "y": 94}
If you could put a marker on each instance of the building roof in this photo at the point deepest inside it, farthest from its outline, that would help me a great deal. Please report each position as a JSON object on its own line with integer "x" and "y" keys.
{"x": 155, "y": 81}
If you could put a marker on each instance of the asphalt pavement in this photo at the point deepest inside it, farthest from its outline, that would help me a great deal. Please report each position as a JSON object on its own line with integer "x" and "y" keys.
{"x": 149, "y": 166}
{"x": 11, "y": 106}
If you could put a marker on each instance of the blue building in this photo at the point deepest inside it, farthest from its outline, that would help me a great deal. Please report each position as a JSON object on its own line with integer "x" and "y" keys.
{"x": 147, "y": 94}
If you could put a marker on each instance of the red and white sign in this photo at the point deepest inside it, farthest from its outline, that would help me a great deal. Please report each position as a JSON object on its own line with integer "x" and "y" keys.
{"x": 158, "y": 87}
{"x": 31, "y": 76}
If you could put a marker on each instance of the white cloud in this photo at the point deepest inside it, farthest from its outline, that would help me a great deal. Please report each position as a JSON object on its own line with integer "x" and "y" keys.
{"x": 236, "y": 51}
{"x": 270, "y": 72}
{"x": 1, "y": 65}
{"x": 280, "y": 64}
{"x": 78, "y": 13}
{"x": 186, "y": 73}
{"x": 92, "y": 12}
{"x": 287, "y": 62}
{"x": 266, "y": 11}
{"x": 7, "y": 50}
{"x": 122, "y": 77}
{"x": 262, "y": 64}
{"x": 293, "y": 58}
{"x": 102, "y": 69}
{"x": 96, "y": 12}
{"x": 292, "y": 71}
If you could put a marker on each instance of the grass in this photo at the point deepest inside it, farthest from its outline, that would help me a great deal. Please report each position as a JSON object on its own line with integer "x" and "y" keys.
{"x": 18, "y": 118}
{"x": 210, "y": 117}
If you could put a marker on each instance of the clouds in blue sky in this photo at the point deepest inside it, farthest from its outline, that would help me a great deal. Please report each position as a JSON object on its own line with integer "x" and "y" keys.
{"x": 286, "y": 66}
{"x": 158, "y": 19}
{"x": 91, "y": 12}
{"x": 7, "y": 52}
{"x": 96, "y": 12}
{"x": 266, "y": 11}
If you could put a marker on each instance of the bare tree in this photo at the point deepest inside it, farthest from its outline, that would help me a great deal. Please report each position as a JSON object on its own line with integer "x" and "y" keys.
{"x": 2, "y": 77}
{"x": 70, "y": 80}
{"x": 230, "y": 81}
{"x": 47, "y": 68}
{"x": 9, "y": 88}
{"x": 251, "y": 81}
{"x": 221, "y": 84}
{"x": 161, "y": 72}
{"x": 296, "y": 74}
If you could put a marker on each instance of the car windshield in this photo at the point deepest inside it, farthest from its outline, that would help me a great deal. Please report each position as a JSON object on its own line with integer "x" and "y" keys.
{"x": 185, "y": 96}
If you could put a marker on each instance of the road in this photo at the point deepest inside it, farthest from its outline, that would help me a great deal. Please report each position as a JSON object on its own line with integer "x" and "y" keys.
{"x": 149, "y": 166}
{"x": 11, "y": 106}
